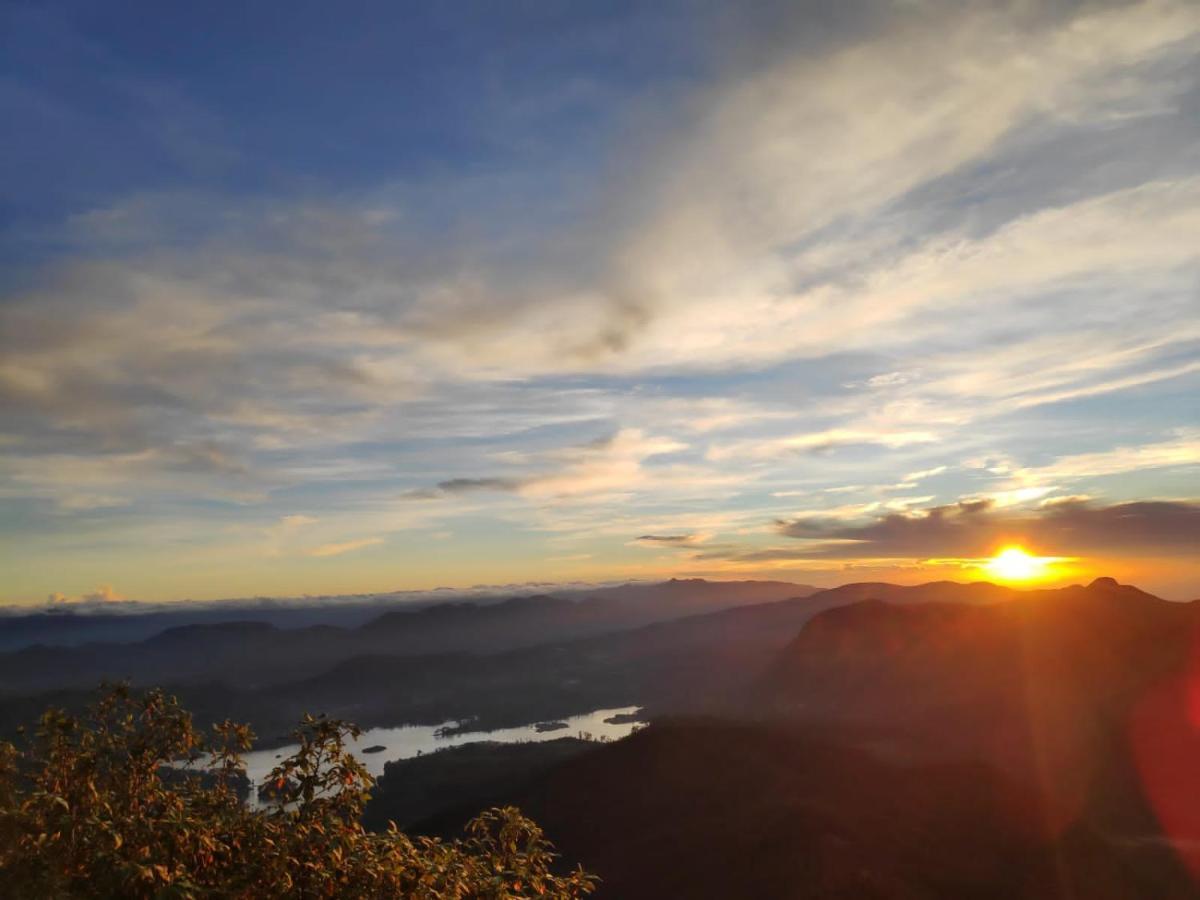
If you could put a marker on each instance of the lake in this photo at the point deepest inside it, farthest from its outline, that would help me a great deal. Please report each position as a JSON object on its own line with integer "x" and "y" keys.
{"x": 405, "y": 741}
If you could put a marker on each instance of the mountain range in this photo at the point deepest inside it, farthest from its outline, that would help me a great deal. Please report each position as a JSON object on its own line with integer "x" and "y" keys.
{"x": 870, "y": 740}
{"x": 935, "y": 741}
{"x": 251, "y": 652}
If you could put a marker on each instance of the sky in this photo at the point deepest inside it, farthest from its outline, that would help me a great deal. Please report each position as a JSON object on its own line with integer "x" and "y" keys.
{"x": 311, "y": 298}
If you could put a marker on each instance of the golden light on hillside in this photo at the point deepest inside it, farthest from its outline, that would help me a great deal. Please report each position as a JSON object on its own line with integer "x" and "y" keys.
{"x": 1014, "y": 564}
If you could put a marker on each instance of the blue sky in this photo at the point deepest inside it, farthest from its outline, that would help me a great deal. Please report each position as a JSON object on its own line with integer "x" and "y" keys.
{"x": 313, "y": 298}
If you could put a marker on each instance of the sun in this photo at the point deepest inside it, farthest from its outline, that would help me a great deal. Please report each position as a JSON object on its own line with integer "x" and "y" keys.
{"x": 1014, "y": 564}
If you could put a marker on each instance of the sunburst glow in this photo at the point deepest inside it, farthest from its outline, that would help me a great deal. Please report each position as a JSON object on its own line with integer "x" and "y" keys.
{"x": 1014, "y": 564}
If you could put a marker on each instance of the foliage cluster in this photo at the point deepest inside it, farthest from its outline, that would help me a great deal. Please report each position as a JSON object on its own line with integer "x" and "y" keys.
{"x": 131, "y": 800}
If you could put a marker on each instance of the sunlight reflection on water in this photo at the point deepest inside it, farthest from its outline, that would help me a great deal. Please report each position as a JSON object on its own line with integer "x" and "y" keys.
{"x": 406, "y": 741}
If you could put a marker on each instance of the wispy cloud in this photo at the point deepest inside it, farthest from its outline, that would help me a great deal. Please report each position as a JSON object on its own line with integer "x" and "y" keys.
{"x": 338, "y": 549}
{"x": 611, "y": 464}
{"x": 1183, "y": 450}
{"x": 670, "y": 540}
{"x": 818, "y": 442}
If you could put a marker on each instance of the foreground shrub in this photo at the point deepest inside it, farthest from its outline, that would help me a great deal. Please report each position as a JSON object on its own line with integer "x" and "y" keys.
{"x": 132, "y": 801}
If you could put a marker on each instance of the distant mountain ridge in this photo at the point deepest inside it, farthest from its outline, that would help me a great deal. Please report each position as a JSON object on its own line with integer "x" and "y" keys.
{"x": 71, "y": 624}
{"x": 253, "y": 652}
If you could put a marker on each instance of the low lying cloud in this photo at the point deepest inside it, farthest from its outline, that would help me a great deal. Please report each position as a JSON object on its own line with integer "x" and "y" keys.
{"x": 103, "y": 594}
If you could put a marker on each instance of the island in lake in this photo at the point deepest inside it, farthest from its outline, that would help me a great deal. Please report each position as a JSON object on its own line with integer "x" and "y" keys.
{"x": 625, "y": 718}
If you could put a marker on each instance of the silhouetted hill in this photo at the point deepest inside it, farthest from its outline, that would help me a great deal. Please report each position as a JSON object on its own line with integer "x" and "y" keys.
{"x": 705, "y": 809}
{"x": 468, "y": 777}
{"x": 1046, "y": 685}
{"x": 693, "y": 596}
{"x": 212, "y": 634}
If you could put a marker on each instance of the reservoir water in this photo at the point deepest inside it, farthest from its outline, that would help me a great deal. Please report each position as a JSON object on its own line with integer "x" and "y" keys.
{"x": 405, "y": 741}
